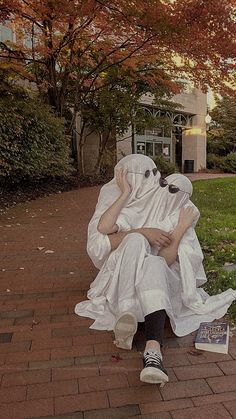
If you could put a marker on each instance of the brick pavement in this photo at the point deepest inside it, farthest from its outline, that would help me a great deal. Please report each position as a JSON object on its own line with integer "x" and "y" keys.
{"x": 52, "y": 364}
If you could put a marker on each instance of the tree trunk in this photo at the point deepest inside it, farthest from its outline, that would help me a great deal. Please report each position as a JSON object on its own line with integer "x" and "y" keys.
{"x": 53, "y": 97}
{"x": 97, "y": 166}
{"x": 80, "y": 153}
{"x": 132, "y": 138}
{"x": 103, "y": 140}
{"x": 80, "y": 141}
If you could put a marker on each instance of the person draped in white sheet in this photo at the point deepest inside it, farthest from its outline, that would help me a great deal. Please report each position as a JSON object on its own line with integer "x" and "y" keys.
{"x": 141, "y": 226}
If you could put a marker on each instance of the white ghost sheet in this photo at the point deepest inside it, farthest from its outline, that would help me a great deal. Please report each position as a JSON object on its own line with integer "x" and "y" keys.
{"x": 132, "y": 277}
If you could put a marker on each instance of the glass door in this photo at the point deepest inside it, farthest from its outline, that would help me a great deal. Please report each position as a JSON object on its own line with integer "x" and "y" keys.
{"x": 149, "y": 149}
{"x": 158, "y": 148}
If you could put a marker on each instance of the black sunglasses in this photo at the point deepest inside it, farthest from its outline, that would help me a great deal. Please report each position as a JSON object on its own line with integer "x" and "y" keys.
{"x": 147, "y": 173}
{"x": 171, "y": 188}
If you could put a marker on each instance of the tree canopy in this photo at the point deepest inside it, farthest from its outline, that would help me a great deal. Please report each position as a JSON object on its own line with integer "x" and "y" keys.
{"x": 65, "y": 43}
{"x": 222, "y": 133}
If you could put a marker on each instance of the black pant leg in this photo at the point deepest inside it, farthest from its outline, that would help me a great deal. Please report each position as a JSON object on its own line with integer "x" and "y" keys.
{"x": 154, "y": 326}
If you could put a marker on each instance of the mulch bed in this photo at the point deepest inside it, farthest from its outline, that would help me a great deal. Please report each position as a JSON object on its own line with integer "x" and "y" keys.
{"x": 10, "y": 195}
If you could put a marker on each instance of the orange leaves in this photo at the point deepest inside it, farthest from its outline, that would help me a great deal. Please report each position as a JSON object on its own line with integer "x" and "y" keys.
{"x": 80, "y": 39}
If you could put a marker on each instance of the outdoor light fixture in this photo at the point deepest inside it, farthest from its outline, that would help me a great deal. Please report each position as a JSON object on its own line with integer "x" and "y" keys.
{"x": 208, "y": 119}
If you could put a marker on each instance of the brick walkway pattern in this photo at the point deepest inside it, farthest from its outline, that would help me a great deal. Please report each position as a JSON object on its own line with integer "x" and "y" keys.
{"x": 53, "y": 365}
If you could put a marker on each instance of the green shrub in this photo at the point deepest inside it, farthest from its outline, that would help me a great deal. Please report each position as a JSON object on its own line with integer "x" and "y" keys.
{"x": 229, "y": 163}
{"x": 32, "y": 140}
{"x": 166, "y": 168}
{"x": 225, "y": 164}
{"x": 219, "y": 144}
{"x": 214, "y": 161}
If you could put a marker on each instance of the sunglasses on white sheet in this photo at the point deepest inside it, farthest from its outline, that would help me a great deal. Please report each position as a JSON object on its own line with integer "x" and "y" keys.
{"x": 147, "y": 173}
{"x": 171, "y": 188}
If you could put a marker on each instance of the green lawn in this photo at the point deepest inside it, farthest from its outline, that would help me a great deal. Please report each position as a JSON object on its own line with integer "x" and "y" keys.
{"x": 216, "y": 230}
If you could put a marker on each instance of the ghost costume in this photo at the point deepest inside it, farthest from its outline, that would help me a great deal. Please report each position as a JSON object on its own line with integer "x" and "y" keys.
{"x": 133, "y": 277}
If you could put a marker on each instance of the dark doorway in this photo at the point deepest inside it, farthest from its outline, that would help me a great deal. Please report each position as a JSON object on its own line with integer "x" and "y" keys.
{"x": 178, "y": 147}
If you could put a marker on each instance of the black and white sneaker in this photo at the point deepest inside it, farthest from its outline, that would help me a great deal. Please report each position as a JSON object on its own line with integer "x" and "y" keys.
{"x": 153, "y": 371}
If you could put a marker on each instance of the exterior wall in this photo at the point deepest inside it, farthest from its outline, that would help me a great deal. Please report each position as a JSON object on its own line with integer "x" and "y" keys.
{"x": 194, "y": 143}
{"x": 90, "y": 148}
{"x": 194, "y": 102}
{"x": 124, "y": 147}
{"x": 90, "y": 153}
{"x": 193, "y": 137}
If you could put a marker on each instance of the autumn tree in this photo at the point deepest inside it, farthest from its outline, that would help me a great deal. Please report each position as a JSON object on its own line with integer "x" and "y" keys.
{"x": 222, "y": 133}
{"x": 75, "y": 41}
{"x": 110, "y": 111}
{"x": 65, "y": 47}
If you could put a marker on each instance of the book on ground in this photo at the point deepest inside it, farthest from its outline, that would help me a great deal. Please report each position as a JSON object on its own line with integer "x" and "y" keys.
{"x": 213, "y": 337}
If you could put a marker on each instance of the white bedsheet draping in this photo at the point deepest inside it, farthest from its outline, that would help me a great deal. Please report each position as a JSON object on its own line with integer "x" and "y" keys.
{"x": 133, "y": 277}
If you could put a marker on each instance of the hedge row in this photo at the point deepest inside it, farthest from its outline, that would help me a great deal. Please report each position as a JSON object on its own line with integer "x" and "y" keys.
{"x": 226, "y": 164}
{"x": 32, "y": 141}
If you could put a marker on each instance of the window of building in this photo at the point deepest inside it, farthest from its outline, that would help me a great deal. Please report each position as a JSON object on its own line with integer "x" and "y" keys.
{"x": 149, "y": 149}
{"x": 6, "y": 33}
{"x": 166, "y": 150}
{"x": 141, "y": 147}
{"x": 158, "y": 147}
{"x": 153, "y": 148}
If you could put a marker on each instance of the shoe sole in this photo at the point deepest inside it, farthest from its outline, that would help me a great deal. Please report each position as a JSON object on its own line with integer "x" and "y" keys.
{"x": 153, "y": 376}
{"x": 124, "y": 330}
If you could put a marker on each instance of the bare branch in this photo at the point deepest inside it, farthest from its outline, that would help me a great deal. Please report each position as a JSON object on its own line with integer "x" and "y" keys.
{"x": 125, "y": 138}
{"x": 70, "y": 34}
{"x": 23, "y": 59}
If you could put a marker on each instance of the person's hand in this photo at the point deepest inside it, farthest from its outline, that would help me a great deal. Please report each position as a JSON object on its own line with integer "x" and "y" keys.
{"x": 157, "y": 237}
{"x": 121, "y": 179}
{"x": 186, "y": 217}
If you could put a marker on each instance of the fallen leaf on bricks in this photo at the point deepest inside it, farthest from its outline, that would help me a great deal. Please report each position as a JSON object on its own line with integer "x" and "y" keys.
{"x": 34, "y": 323}
{"x": 116, "y": 358}
{"x": 195, "y": 352}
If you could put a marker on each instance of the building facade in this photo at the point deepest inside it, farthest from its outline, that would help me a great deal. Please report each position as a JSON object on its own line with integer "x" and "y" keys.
{"x": 184, "y": 144}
